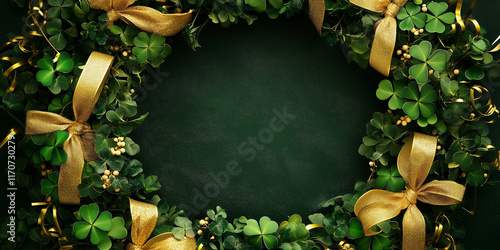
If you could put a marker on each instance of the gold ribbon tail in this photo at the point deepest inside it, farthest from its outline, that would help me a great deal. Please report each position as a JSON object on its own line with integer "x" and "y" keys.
{"x": 317, "y": 13}
{"x": 144, "y": 18}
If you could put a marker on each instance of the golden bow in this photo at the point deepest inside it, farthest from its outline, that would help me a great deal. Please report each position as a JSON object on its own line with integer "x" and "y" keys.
{"x": 144, "y": 18}
{"x": 385, "y": 31}
{"x": 317, "y": 13}
{"x": 414, "y": 163}
{"x": 80, "y": 144}
{"x": 144, "y": 218}
{"x": 53, "y": 232}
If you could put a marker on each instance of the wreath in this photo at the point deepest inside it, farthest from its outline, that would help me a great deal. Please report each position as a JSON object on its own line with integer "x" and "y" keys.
{"x": 423, "y": 152}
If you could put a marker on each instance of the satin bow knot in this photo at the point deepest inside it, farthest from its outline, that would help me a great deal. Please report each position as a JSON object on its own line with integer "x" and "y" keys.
{"x": 414, "y": 163}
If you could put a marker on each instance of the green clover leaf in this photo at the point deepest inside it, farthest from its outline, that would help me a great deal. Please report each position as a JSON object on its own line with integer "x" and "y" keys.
{"x": 355, "y": 229}
{"x": 118, "y": 230}
{"x": 389, "y": 179}
{"x": 46, "y": 75}
{"x": 94, "y": 224}
{"x": 386, "y": 90}
{"x": 474, "y": 73}
{"x": 53, "y": 151}
{"x": 148, "y": 48}
{"x": 423, "y": 59}
{"x": 420, "y": 102}
{"x": 410, "y": 17}
{"x": 49, "y": 185}
{"x": 293, "y": 229}
{"x": 262, "y": 232}
{"x": 63, "y": 8}
{"x": 184, "y": 227}
{"x": 436, "y": 20}
{"x": 449, "y": 87}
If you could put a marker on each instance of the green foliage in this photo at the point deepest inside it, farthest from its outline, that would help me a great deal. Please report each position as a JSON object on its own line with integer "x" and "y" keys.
{"x": 150, "y": 48}
{"x": 424, "y": 59}
{"x": 262, "y": 233}
{"x": 420, "y": 104}
{"x": 436, "y": 20}
{"x": 293, "y": 230}
{"x": 411, "y": 16}
{"x": 52, "y": 151}
{"x": 389, "y": 179}
{"x": 395, "y": 92}
{"x": 47, "y": 73}
{"x": 49, "y": 186}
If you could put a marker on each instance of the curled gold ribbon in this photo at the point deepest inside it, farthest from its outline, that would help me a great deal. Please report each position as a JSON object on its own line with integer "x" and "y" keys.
{"x": 438, "y": 233}
{"x": 144, "y": 218}
{"x": 463, "y": 22}
{"x": 385, "y": 32}
{"x": 11, "y": 133}
{"x": 53, "y": 232}
{"x": 80, "y": 144}
{"x": 144, "y": 18}
{"x": 414, "y": 162}
{"x": 317, "y": 13}
{"x": 491, "y": 110}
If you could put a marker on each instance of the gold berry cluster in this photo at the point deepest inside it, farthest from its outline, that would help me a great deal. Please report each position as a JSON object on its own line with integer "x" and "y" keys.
{"x": 108, "y": 178}
{"x": 404, "y": 120}
{"x": 120, "y": 144}
{"x": 45, "y": 170}
{"x": 416, "y": 31}
{"x": 203, "y": 225}
{"x": 345, "y": 246}
{"x": 125, "y": 52}
{"x": 404, "y": 52}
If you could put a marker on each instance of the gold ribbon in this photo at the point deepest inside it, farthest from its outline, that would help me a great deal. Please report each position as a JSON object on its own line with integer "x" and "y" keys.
{"x": 80, "y": 143}
{"x": 144, "y": 217}
{"x": 53, "y": 232}
{"x": 317, "y": 13}
{"x": 414, "y": 162}
{"x": 144, "y": 18}
{"x": 11, "y": 133}
{"x": 438, "y": 233}
{"x": 385, "y": 32}
{"x": 463, "y": 22}
{"x": 491, "y": 110}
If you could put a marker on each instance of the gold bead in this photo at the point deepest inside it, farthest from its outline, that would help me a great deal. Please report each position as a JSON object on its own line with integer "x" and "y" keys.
{"x": 43, "y": 166}
{"x": 456, "y": 71}
{"x": 372, "y": 164}
{"x": 44, "y": 173}
{"x": 207, "y": 219}
{"x": 408, "y": 56}
{"x": 413, "y": 30}
{"x": 121, "y": 138}
{"x": 416, "y": 33}
{"x": 398, "y": 122}
{"x": 104, "y": 177}
{"x": 117, "y": 153}
{"x": 108, "y": 181}
{"x": 347, "y": 245}
{"x": 404, "y": 123}
{"x": 408, "y": 120}
{"x": 200, "y": 232}
{"x": 115, "y": 139}
{"x": 107, "y": 172}
{"x": 431, "y": 72}
{"x": 438, "y": 147}
{"x": 104, "y": 186}
{"x": 212, "y": 238}
{"x": 202, "y": 222}
{"x": 117, "y": 190}
{"x": 125, "y": 53}
{"x": 464, "y": 174}
{"x": 424, "y": 9}
{"x": 402, "y": 58}
{"x": 421, "y": 31}
{"x": 485, "y": 175}
{"x": 116, "y": 173}
{"x": 399, "y": 52}
{"x": 122, "y": 150}
{"x": 405, "y": 47}
{"x": 132, "y": 91}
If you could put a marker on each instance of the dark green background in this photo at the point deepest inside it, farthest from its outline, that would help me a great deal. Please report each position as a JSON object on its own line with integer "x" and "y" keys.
{"x": 203, "y": 104}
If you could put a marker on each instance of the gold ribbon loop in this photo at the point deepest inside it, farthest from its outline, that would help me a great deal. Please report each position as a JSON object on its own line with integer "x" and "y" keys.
{"x": 80, "y": 144}
{"x": 414, "y": 162}
{"x": 144, "y": 18}
{"x": 463, "y": 22}
{"x": 385, "y": 32}
{"x": 144, "y": 218}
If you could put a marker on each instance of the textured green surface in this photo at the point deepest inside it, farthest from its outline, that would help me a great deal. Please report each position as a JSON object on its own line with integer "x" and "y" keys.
{"x": 197, "y": 120}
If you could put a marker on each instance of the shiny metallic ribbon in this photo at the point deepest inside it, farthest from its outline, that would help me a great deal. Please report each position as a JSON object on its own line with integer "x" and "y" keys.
{"x": 144, "y": 18}
{"x": 144, "y": 217}
{"x": 53, "y": 232}
{"x": 385, "y": 32}
{"x": 11, "y": 133}
{"x": 414, "y": 162}
{"x": 317, "y": 13}
{"x": 490, "y": 109}
{"x": 463, "y": 22}
{"x": 438, "y": 233}
{"x": 80, "y": 144}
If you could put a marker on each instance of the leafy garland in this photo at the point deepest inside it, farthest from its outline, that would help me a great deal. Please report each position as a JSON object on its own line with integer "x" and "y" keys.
{"x": 434, "y": 89}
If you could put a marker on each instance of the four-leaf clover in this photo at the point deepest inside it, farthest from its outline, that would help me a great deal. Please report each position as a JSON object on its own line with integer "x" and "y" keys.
{"x": 263, "y": 233}
{"x": 423, "y": 59}
{"x": 436, "y": 20}
{"x": 410, "y": 17}
{"x": 148, "y": 48}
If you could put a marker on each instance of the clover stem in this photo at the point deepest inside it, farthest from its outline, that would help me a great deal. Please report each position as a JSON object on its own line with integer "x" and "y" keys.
{"x": 13, "y": 117}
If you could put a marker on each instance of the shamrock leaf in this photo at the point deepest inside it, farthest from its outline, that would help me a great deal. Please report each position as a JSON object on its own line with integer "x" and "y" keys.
{"x": 386, "y": 90}
{"x": 420, "y": 103}
{"x": 474, "y": 73}
{"x": 184, "y": 227}
{"x": 46, "y": 75}
{"x": 448, "y": 86}
{"x": 148, "y": 48}
{"x": 53, "y": 151}
{"x": 337, "y": 223}
{"x": 262, "y": 232}
{"x": 63, "y": 8}
{"x": 436, "y": 20}
{"x": 410, "y": 17}
{"x": 293, "y": 229}
{"x": 93, "y": 223}
{"x": 423, "y": 59}
{"x": 118, "y": 230}
{"x": 355, "y": 229}
{"x": 49, "y": 185}
{"x": 389, "y": 179}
